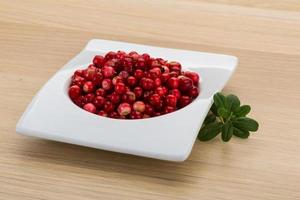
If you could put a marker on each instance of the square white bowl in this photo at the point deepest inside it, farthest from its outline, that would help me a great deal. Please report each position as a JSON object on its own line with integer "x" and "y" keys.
{"x": 52, "y": 115}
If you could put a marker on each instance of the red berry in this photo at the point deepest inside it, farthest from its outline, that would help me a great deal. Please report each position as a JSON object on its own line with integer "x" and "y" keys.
{"x": 110, "y": 55}
{"x": 176, "y": 93}
{"x": 185, "y": 83}
{"x": 102, "y": 113}
{"x": 165, "y": 77}
{"x": 174, "y": 74}
{"x": 171, "y": 100}
{"x": 173, "y": 82}
{"x": 99, "y": 101}
{"x": 138, "y": 91}
{"x": 148, "y": 84}
{"x": 169, "y": 109}
{"x": 128, "y": 97}
{"x": 74, "y": 91}
{"x": 194, "y": 76}
{"x": 78, "y": 80}
{"x": 141, "y": 64}
{"x": 90, "y": 73}
{"x": 156, "y": 114}
{"x": 79, "y": 72}
{"x": 90, "y": 107}
{"x": 124, "y": 75}
{"x": 154, "y": 99}
{"x": 115, "y": 98}
{"x": 108, "y": 107}
{"x": 165, "y": 69}
{"x": 157, "y": 82}
{"x": 88, "y": 87}
{"x": 155, "y": 73}
{"x": 79, "y": 101}
{"x": 108, "y": 72}
{"x": 124, "y": 109}
{"x": 120, "y": 88}
{"x": 159, "y": 106}
{"x": 161, "y": 91}
{"x": 155, "y": 64}
{"x": 138, "y": 74}
{"x": 117, "y": 79}
{"x": 113, "y": 114}
{"x": 107, "y": 84}
{"x": 184, "y": 101}
{"x": 148, "y": 109}
{"x": 131, "y": 81}
{"x": 98, "y": 61}
{"x": 100, "y": 92}
{"x": 175, "y": 64}
{"x": 136, "y": 115}
{"x": 146, "y": 116}
{"x": 147, "y": 95}
{"x": 89, "y": 98}
{"x": 146, "y": 56}
{"x": 139, "y": 106}
{"x": 193, "y": 92}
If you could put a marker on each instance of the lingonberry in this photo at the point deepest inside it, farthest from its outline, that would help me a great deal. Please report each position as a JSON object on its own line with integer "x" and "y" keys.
{"x": 176, "y": 93}
{"x": 110, "y": 55}
{"x": 108, "y": 106}
{"x": 157, "y": 82}
{"x": 107, "y": 84}
{"x": 155, "y": 73}
{"x": 141, "y": 64}
{"x": 78, "y": 80}
{"x": 108, "y": 72}
{"x": 171, "y": 100}
{"x": 138, "y": 91}
{"x": 79, "y": 72}
{"x": 148, "y": 109}
{"x": 124, "y": 75}
{"x": 174, "y": 64}
{"x": 131, "y": 81}
{"x": 90, "y": 107}
{"x": 184, "y": 101}
{"x": 165, "y": 69}
{"x": 120, "y": 88}
{"x": 100, "y": 92}
{"x": 154, "y": 99}
{"x": 165, "y": 77}
{"x": 161, "y": 91}
{"x": 194, "y": 76}
{"x": 138, "y": 74}
{"x": 74, "y": 91}
{"x": 148, "y": 84}
{"x": 102, "y": 113}
{"x": 169, "y": 109}
{"x": 185, "y": 83}
{"x": 115, "y": 97}
{"x": 99, "y": 101}
{"x": 136, "y": 115}
{"x": 146, "y": 56}
{"x": 98, "y": 61}
{"x": 124, "y": 109}
{"x": 89, "y": 98}
{"x": 173, "y": 82}
{"x": 128, "y": 97}
{"x": 88, "y": 87}
{"x": 90, "y": 73}
{"x": 139, "y": 106}
{"x": 117, "y": 79}
{"x": 193, "y": 92}
{"x": 113, "y": 114}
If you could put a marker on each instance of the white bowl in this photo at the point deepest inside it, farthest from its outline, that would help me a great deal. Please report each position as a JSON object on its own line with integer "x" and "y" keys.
{"x": 52, "y": 115}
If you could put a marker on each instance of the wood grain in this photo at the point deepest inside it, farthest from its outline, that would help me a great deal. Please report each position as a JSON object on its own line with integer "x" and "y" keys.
{"x": 38, "y": 37}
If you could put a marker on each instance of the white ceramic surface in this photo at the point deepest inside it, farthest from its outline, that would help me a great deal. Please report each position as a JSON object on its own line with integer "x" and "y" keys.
{"x": 52, "y": 115}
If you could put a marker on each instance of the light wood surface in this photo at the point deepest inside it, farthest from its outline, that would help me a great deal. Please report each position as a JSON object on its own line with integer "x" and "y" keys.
{"x": 38, "y": 37}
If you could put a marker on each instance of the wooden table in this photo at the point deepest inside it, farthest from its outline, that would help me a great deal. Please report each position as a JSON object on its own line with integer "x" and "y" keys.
{"x": 38, "y": 37}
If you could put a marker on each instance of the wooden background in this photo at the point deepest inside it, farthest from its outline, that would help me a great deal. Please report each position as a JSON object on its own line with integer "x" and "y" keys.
{"x": 38, "y": 37}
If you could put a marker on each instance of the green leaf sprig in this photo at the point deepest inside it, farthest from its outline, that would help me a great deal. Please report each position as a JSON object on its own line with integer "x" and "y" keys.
{"x": 227, "y": 116}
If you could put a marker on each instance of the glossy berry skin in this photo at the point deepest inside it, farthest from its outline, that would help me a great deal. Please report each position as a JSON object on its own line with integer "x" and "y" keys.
{"x": 184, "y": 101}
{"x": 157, "y": 82}
{"x": 165, "y": 69}
{"x": 155, "y": 99}
{"x": 171, "y": 100}
{"x": 161, "y": 91}
{"x": 120, "y": 88}
{"x": 78, "y": 80}
{"x": 117, "y": 79}
{"x": 131, "y": 81}
{"x": 115, "y": 98}
{"x": 98, "y": 61}
{"x": 194, "y": 76}
{"x": 128, "y": 97}
{"x": 165, "y": 77}
{"x": 136, "y": 115}
{"x": 155, "y": 73}
{"x": 124, "y": 75}
{"x": 79, "y": 72}
{"x": 79, "y": 101}
{"x": 169, "y": 109}
{"x": 175, "y": 65}
{"x": 138, "y": 91}
{"x": 114, "y": 115}
{"x": 108, "y": 106}
{"x": 100, "y": 92}
{"x": 88, "y": 87}
{"x": 185, "y": 83}
{"x": 107, "y": 84}
{"x": 148, "y": 84}
{"x": 173, "y": 83}
{"x": 138, "y": 74}
{"x": 124, "y": 109}
{"x": 146, "y": 56}
{"x": 176, "y": 93}
{"x": 139, "y": 106}
{"x": 99, "y": 101}
{"x": 102, "y": 113}
{"x": 110, "y": 55}
{"x": 193, "y": 92}
{"x": 74, "y": 91}
{"x": 149, "y": 110}
{"x": 89, "y": 98}
{"x": 90, "y": 107}
{"x": 108, "y": 72}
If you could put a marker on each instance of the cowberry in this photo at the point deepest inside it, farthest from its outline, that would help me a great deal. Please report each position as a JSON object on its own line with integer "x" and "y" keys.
{"x": 74, "y": 91}
{"x": 88, "y": 87}
{"x": 124, "y": 109}
{"x": 90, "y": 107}
{"x": 120, "y": 88}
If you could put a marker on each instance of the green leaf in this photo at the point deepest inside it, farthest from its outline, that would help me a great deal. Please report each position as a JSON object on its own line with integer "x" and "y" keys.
{"x": 227, "y": 131}
{"x": 219, "y": 100}
{"x": 223, "y": 112}
{"x": 232, "y": 102}
{"x": 246, "y": 124}
{"x": 210, "y": 118}
{"x": 210, "y": 131}
{"x": 213, "y": 109}
{"x": 241, "y": 134}
{"x": 242, "y": 111}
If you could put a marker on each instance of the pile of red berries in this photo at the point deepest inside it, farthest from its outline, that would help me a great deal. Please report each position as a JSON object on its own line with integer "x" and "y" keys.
{"x": 132, "y": 86}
